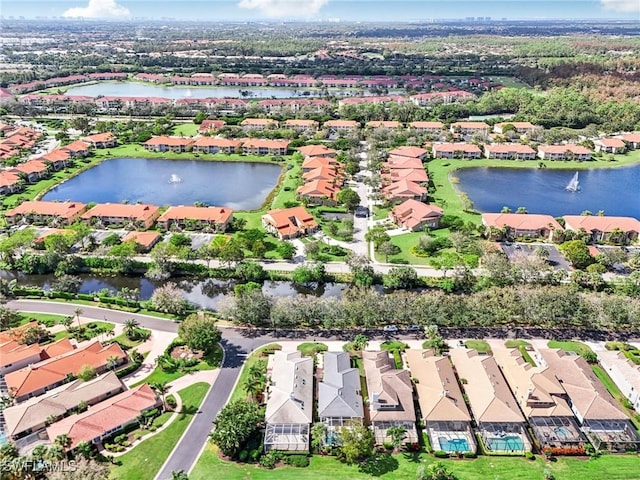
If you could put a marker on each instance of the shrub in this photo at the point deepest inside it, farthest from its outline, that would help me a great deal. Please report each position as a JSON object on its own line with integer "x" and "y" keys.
{"x": 171, "y": 401}
{"x": 529, "y": 456}
{"x": 441, "y": 454}
{"x": 269, "y": 460}
{"x": 242, "y": 456}
{"x": 300, "y": 461}
{"x": 388, "y": 445}
{"x": 470, "y": 455}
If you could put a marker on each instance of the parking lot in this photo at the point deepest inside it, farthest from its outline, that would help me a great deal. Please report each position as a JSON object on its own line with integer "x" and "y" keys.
{"x": 555, "y": 258}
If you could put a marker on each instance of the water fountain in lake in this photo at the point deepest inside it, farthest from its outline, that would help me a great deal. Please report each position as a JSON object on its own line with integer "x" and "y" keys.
{"x": 175, "y": 178}
{"x": 574, "y": 184}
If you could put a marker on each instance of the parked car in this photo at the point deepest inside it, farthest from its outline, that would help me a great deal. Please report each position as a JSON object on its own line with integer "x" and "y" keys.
{"x": 414, "y": 328}
{"x": 390, "y": 328}
{"x": 362, "y": 212}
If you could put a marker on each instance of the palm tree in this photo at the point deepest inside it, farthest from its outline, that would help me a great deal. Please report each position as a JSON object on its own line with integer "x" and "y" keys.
{"x": 130, "y": 327}
{"x": 55, "y": 453}
{"x": 253, "y": 385}
{"x": 161, "y": 389}
{"x": 67, "y": 322}
{"x": 63, "y": 440}
{"x": 397, "y": 433}
{"x": 112, "y": 361}
{"x": 39, "y": 452}
{"x": 77, "y": 312}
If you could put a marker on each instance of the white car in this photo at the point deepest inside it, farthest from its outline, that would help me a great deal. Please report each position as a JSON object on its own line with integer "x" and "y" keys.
{"x": 390, "y": 328}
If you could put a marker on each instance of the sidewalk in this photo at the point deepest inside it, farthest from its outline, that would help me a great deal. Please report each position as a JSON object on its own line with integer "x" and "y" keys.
{"x": 159, "y": 341}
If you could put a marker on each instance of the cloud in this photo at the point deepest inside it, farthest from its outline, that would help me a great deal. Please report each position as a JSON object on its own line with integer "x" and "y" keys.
{"x": 284, "y": 8}
{"x": 98, "y": 9}
{"x": 622, "y": 5}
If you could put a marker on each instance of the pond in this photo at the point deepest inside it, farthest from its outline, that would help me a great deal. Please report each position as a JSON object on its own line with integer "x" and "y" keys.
{"x": 614, "y": 190}
{"x": 134, "y": 89}
{"x": 237, "y": 185}
{"x": 205, "y": 294}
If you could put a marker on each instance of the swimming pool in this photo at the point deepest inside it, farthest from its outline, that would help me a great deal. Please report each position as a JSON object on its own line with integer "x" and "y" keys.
{"x": 453, "y": 444}
{"x": 3, "y": 438}
{"x": 562, "y": 432}
{"x": 506, "y": 443}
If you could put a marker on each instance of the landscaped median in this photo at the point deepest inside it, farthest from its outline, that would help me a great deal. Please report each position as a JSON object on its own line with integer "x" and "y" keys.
{"x": 145, "y": 460}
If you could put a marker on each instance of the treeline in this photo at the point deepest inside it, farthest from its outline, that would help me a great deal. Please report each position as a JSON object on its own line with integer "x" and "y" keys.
{"x": 514, "y": 306}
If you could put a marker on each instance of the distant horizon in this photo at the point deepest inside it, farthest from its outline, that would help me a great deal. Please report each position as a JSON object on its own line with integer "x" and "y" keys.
{"x": 347, "y": 11}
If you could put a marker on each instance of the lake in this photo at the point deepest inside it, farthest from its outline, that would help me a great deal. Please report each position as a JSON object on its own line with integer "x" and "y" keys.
{"x": 614, "y": 190}
{"x": 237, "y": 185}
{"x": 134, "y": 89}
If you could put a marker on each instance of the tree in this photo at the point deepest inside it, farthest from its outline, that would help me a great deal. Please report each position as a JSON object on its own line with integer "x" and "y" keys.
{"x": 397, "y": 433}
{"x": 349, "y": 198}
{"x": 77, "y": 312}
{"x": 577, "y": 252}
{"x": 200, "y": 332}
{"x": 87, "y": 372}
{"x": 311, "y": 249}
{"x": 388, "y": 248}
{"x": 169, "y": 298}
{"x": 434, "y": 471}
{"x": 286, "y": 250}
{"x": 248, "y": 271}
{"x": 401, "y": 277}
{"x": 231, "y": 253}
{"x": 85, "y": 449}
{"x": 318, "y": 435}
{"x": 84, "y": 469}
{"x": 59, "y": 243}
{"x": 360, "y": 342}
{"x": 234, "y": 426}
{"x": 356, "y": 443}
{"x": 377, "y": 235}
{"x": 161, "y": 388}
{"x": 308, "y": 274}
{"x": 179, "y": 475}
{"x": 8, "y": 318}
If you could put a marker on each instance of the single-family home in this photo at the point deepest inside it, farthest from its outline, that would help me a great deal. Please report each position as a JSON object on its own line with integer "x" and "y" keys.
{"x": 618, "y": 230}
{"x": 390, "y": 397}
{"x": 319, "y": 192}
{"x": 144, "y": 240}
{"x": 289, "y": 411}
{"x": 47, "y": 213}
{"x": 631, "y": 140}
{"x": 504, "y": 151}
{"x": 288, "y": 223}
{"x": 444, "y": 412}
{"x": 414, "y": 215}
{"x": 499, "y": 421}
{"x": 470, "y": 128}
{"x": 340, "y": 400}
{"x": 625, "y": 374}
{"x": 610, "y": 145}
{"x": 35, "y": 414}
{"x": 101, "y": 140}
{"x": 564, "y": 152}
{"x": 602, "y": 419}
{"x": 520, "y": 225}
{"x": 456, "y": 150}
{"x": 107, "y": 417}
{"x": 543, "y": 401}
{"x": 132, "y": 216}
{"x": 403, "y": 190}
{"x": 214, "y": 219}
{"x": 256, "y": 124}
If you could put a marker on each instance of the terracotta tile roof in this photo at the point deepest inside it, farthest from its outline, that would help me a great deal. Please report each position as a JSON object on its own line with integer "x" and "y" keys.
{"x": 631, "y": 137}
{"x": 406, "y": 151}
{"x": 120, "y": 410}
{"x": 317, "y": 151}
{"x": 77, "y": 146}
{"x": 12, "y": 352}
{"x": 121, "y": 210}
{"x": 510, "y": 148}
{"x": 301, "y": 123}
{"x": 403, "y": 163}
{"x": 341, "y": 123}
{"x": 17, "y": 332}
{"x": 470, "y": 125}
{"x": 289, "y": 220}
{"x": 404, "y": 187}
{"x": 319, "y": 162}
{"x": 32, "y": 166}
{"x": 100, "y": 138}
{"x": 58, "y": 155}
{"x": 456, "y": 147}
{"x": 217, "y": 142}
{"x": 265, "y": 143}
{"x": 320, "y": 173}
{"x": 412, "y": 212}
{"x": 520, "y": 221}
{"x": 259, "y": 121}
{"x": 144, "y": 239}
{"x": 8, "y": 179}
{"x": 560, "y": 149}
{"x": 417, "y": 175}
{"x": 429, "y": 125}
{"x": 384, "y": 124}
{"x": 318, "y": 188}
{"x": 65, "y": 210}
{"x": 209, "y": 214}
{"x": 169, "y": 141}
{"x": 602, "y": 224}
{"x": 610, "y": 142}
{"x": 207, "y": 125}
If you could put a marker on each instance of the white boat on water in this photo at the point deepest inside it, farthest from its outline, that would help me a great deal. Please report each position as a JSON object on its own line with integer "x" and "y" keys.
{"x": 175, "y": 179}
{"x": 574, "y": 184}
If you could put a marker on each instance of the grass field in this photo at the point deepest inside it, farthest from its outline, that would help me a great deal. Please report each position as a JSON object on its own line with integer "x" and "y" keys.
{"x": 89, "y": 332}
{"x": 570, "y": 346}
{"x": 145, "y": 460}
{"x": 408, "y": 240}
{"x": 239, "y": 392}
{"x": 480, "y": 346}
{"x": 47, "y": 319}
{"x": 186, "y": 129}
{"x": 401, "y": 466}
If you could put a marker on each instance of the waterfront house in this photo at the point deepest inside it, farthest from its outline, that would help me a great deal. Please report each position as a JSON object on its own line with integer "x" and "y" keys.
{"x": 618, "y": 230}
{"x": 509, "y": 151}
{"x": 631, "y": 140}
{"x": 10, "y": 182}
{"x": 264, "y": 146}
{"x": 564, "y": 152}
{"x": 33, "y": 170}
{"x": 130, "y": 216}
{"x": 288, "y": 223}
{"x": 456, "y": 150}
{"x": 520, "y": 225}
{"x": 46, "y": 213}
{"x": 217, "y": 145}
{"x": 415, "y": 216}
{"x": 610, "y": 145}
{"x": 214, "y": 219}
{"x": 101, "y": 140}
{"x": 76, "y": 149}
{"x": 341, "y": 126}
{"x": 168, "y": 144}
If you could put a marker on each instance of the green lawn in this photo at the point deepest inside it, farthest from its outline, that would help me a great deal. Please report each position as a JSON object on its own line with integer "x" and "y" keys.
{"x": 480, "y": 346}
{"x": 89, "y": 332}
{"x": 609, "y": 467}
{"x": 145, "y": 460}
{"x": 570, "y": 346}
{"x": 310, "y": 349}
{"x": 239, "y": 393}
{"x": 516, "y": 343}
{"x": 122, "y": 339}
{"x": 186, "y": 129}
{"x": 407, "y": 240}
{"x": 47, "y": 319}
{"x": 509, "y": 82}
{"x": 380, "y": 213}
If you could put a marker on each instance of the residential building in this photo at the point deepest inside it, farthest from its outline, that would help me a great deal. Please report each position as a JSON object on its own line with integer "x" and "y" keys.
{"x": 286, "y": 223}
{"x": 107, "y": 417}
{"x": 168, "y": 144}
{"x": 319, "y": 192}
{"x": 470, "y": 128}
{"x": 255, "y": 124}
{"x": 564, "y": 152}
{"x": 317, "y": 151}
{"x": 427, "y": 127}
{"x": 33, "y": 170}
{"x": 341, "y": 126}
{"x": 523, "y": 128}
{"x": 216, "y": 145}
{"x": 618, "y": 230}
{"x": 52, "y": 372}
{"x": 631, "y": 140}
{"x": 321, "y": 173}
{"x": 264, "y": 146}
{"x": 135, "y": 216}
{"x": 101, "y": 140}
{"x": 510, "y": 151}
{"x": 624, "y": 373}
{"x": 76, "y": 149}
{"x": 390, "y": 397}
{"x": 312, "y": 163}
{"x": 35, "y": 414}
{"x": 415, "y": 216}
{"x": 46, "y": 213}
{"x": 403, "y": 190}
{"x": 607, "y": 427}
{"x": 144, "y": 240}
{"x": 456, "y": 150}
{"x": 543, "y": 401}
{"x": 384, "y": 125}
{"x": 520, "y": 225}
{"x": 339, "y": 397}
{"x": 444, "y": 412}
{"x": 289, "y": 411}
{"x": 209, "y": 126}
{"x": 409, "y": 152}
{"x": 402, "y": 163}
{"x": 610, "y": 145}
{"x": 301, "y": 125}
{"x": 499, "y": 421}
{"x": 10, "y": 182}
{"x": 213, "y": 219}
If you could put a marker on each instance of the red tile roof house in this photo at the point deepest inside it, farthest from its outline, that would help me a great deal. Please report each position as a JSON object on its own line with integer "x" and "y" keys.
{"x": 289, "y": 222}
{"x": 317, "y": 151}
{"x": 619, "y": 230}
{"x": 10, "y": 182}
{"x": 383, "y": 125}
{"x": 329, "y": 174}
{"x": 217, "y": 145}
{"x": 263, "y": 146}
{"x": 521, "y": 127}
{"x": 213, "y": 219}
{"x": 427, "y": 127}
{"x": 469, "y": 128}
{"x": 312, "y": 163}
{"x": 632, "y": 140}
{"x": 504, "y": 151}
{"x": 302, "y": 125}
{"x": 46, "y": 213}
{"x": 409, "y": 152}
{"x": 33, "y": 170}
{"x": 456, "y": 150}
{"x": 249, "y": 124}
{"x": 77, "y": 149}
{"x": 520, "y": 225}
{"x": 404, "y": 190}
{"x": 401, "y": 163}
{"x": 610, "y": 145}
{"x": 166, "y": 144}
{"x": 208, "y": 126}
{"x": 145, "y": 241}
{"x": 417, "y": 175}
{"x": 564, "y": 152}
{"x": 40, "y": 377}
{"x": 15, "y": 355}
{"x": 134, "y": 217}
{"x": 414, "y": 215}
{"x": 319, "y": 192}
{"x": 101, "y": 140}
{"x": 107, "y": 417}
{"x": 341, "y": 125}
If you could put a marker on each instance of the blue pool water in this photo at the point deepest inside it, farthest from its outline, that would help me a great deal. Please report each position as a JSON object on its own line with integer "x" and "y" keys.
{"x": 562, "y": 432}
{"x": 3, "y": 438}
{"x": 505, "y": 443}
{"x": 453, "y": 444}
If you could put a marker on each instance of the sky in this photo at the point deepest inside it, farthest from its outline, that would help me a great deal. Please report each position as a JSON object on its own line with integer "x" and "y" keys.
{"x": 345, "y": 10}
